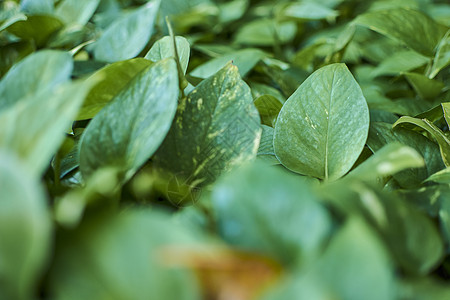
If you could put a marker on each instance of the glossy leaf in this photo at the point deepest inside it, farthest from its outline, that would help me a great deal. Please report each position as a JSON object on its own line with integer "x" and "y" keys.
{"x": 76, "y": 11}
{"x": 216, "y": 127}
{"x": 25, "y": 230}
{"x": 400, "y": 62}
{"x": 434, "y": 131}
{"x": 415, "y": 29}
{"x": 111, "y": 80}
{"x": 245, "y": 202}
{"x": 127, "y": 132}
{"x": 41, "y": 71}
{"x": 39, "y": 122}
{"x": 126, "y": 37}
{"x": 244, "y": 60}
{"x": 323, "y": 126}
{"x": 163, "y": 48}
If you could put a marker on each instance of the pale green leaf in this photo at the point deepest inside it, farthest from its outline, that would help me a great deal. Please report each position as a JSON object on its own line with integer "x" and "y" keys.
{"x": 25, "y": 230}
{"x": 163, "y": 48}
{"x": 400, "y": 62}
{"x": 308, "y": 10}
{"x": 244, "y": 60}
{"x": 76, "y": 11}
{"x": 38, "y": 72}
{"x": 323, "y": 126}
{"x": 38, "y": 124}
{"x": 442, "y": 58}
{"x": 265, "y": 32}
{"x": 247, "y": 201}
{"x": 126, "y": 37}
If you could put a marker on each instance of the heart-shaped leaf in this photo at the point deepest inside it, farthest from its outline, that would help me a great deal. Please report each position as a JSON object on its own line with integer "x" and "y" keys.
{"x": 323, "y": 126}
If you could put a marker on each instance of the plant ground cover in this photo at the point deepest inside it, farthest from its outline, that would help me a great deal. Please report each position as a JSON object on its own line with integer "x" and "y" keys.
{"x": 208, "y": 149}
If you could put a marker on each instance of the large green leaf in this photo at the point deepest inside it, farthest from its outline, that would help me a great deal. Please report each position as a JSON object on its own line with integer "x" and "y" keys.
{"x": 244, "y": 60}
{"x": 246, "y": 202}
{"x": 442, "y": 140}
{"x": 323, "y": 126}
{"x": 38, "y": 72}
{"x": 163, "y": 48}
{"x": 415, "y": 29}
{"x": 216, "y": 127}
{"x": 122, "y": 256}
{"x": 110, "y": 81}
{"x": 37, "y": 125}
{"x": 76, "y": 11}
{"x": 130, "y": 129}
{"x": 25, "y": 230}
{"x": 126, "y": 37}
{"x": 382, "y": 134}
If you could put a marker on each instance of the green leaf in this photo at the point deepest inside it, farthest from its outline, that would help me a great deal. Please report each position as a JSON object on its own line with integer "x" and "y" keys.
{"x": 434, "y": 131}
{"x": 38, "y": 123}
{"x": 425, "y": 87}
{"x": 36, "y": 28}
{"x": 127, "y": 132}
{"x": 323, "y": 126}
{"x": 126, "y": 37}
{"x": 76, "y": 11}
{"x": 382, "y": 134}
{"x": 268, "y": 107}
{"x": 38, "y": 72}
{"x": 442, "y": 176}
{"x": 244, "y": 60}
{"x": 356, "y": 264}
{"x": 415, "y": 29}
{"x": 265, "y": 150}
{"x": 37, "y": 7}
{"x": 13, "y": 53}
{"x": 111, "y": 80}
{"x": 25, "y": 230}
{"x": 265, "y": 32}
{"x": 247, "y": 201}
{"x": 389, "y": 160}
{"x": 163, "y": 48}
{"x": 446, "y": 109}
{"x": 122, "y": 257}
{"x": 402, "y": 61}
{"x": 442, "y": 58}
{"x": 216, "y": 127}
{"x": 307, "y": 10}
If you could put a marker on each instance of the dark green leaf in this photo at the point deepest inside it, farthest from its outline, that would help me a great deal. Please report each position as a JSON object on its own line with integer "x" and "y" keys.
{"x": 269, "y": 107}
{"x": 36, "y": 28}
{"x": 76, "y": 11}
{"x": 128, "y": 131}
{"x": 216, "y": 127}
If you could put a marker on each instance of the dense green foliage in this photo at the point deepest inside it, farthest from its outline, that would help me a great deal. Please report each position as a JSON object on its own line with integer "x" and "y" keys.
{"x": 209, "y": 149}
